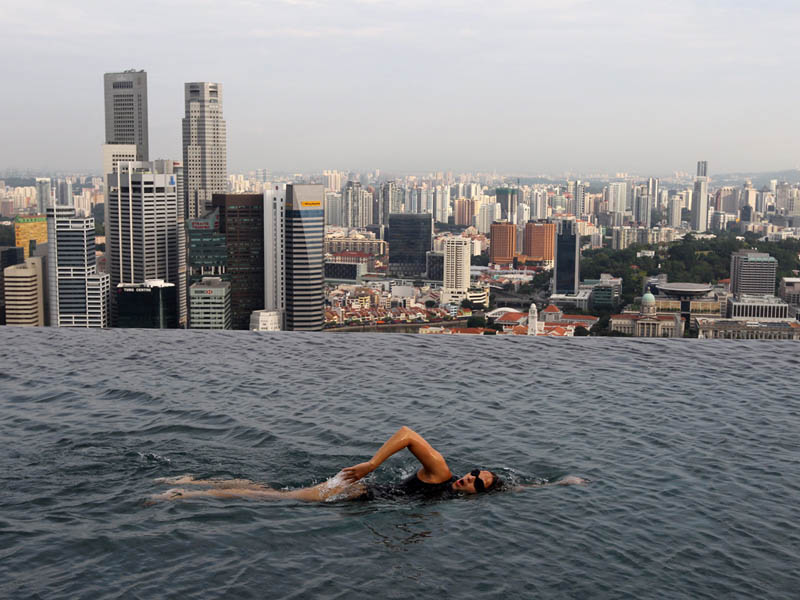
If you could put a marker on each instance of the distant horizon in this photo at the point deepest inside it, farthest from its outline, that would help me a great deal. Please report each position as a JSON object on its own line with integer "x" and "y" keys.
{"x": 514, "y": 86}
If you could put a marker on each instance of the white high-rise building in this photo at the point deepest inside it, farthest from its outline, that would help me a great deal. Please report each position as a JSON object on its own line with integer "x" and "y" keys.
{"x": 274, "y": 250}
{"x": 78, "y": 295}
{"x": 457, "y": 256}
{"x": 523, "y": 214}
{"x": 674, "y": 211}
{"x": 145, "y": 236}
{"x": 205, "y": 147}
{"x": 126, "y": 110}
{"x": 441, "y": 203}
{"x": 488, "y": 214}
{"x": 617, "y": 196}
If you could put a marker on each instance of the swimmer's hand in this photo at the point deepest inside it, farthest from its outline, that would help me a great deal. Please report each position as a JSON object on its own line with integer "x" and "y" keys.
{"x": 356, "y": 472}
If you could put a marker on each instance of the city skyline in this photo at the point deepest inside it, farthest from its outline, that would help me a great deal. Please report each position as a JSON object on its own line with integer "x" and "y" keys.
{"x": 516, "y": 87}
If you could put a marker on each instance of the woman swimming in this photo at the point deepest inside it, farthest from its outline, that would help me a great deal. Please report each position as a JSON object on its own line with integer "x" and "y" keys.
{"x": 434, "y": 479}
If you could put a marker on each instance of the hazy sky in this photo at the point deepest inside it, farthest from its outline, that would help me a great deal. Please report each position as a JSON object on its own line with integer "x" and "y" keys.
{"x": 530, "y": 86}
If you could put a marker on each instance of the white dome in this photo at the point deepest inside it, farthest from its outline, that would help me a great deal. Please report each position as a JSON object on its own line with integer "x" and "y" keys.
{"x": 648, "y": 298}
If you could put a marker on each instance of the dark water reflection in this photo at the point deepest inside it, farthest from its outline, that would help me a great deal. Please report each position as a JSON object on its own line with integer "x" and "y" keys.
{"x": 692, "y": 448}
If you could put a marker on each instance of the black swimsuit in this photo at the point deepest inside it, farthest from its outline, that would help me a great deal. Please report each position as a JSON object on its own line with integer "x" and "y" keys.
{"x": 412, "y": 487}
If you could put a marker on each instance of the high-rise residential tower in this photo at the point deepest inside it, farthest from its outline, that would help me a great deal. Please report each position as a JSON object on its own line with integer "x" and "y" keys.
{"x": 702, "y": 168}
{"x": 457, "y": 255}
{"x": 508, "y": 198}
{"x": 700, "y": 204}
{"x": 304, "y": 231}
{"x": 126, "y": 110}
{"x": 78, "y": 295}
{"x": 204, "y": 147}
{"x": 145, "y": 236}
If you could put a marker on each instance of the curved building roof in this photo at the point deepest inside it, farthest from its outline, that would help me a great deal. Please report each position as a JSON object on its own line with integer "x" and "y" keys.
{"x": 684, "y": 289}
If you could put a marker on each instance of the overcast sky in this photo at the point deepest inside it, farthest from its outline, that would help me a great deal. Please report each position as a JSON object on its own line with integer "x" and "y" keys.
{"x": 518, "y": 86}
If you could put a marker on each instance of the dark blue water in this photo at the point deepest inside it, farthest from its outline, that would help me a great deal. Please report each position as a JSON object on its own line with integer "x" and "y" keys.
{"x": 693, "y": 449}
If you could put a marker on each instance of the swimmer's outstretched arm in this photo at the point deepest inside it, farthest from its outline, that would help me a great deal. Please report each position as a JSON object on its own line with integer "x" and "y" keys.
{"x": 434, "y": 467}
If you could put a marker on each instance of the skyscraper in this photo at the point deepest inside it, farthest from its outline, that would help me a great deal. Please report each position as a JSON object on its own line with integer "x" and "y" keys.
{"x": 210, "y": 304}
{"x": 275, "y": 250}
{"x": 674, "y": 211}
{"x": 304, "y": 230}
{"x": 78, "y": 296}
{"x": 617, "y": 196}
{"x": 9, "y": 256}
{"x": 204, "y": 147}
{"x": 242, "y": 222}
{"x": 44, "y": 195}
{"x": 410, "y": 237}
{"x": 145, "y": 237}
{"x": 126, "y": 110}
{"x": 702, "y": 168}
{"x": 700, "y": 204}
{"x": 457, "y": 258}
{"x": 29, "y": 229}
{"x": 566, "y": 272}
{"x": 357, "y": 205}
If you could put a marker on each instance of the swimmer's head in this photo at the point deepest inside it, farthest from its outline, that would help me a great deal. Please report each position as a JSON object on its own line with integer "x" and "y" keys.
{"x": 477, "y": 481}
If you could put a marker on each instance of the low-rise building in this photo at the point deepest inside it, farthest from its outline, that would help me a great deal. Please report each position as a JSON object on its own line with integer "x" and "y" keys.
{"x": 757, "y": 307}
{"x": 271, "y": 320}
{"x": 648, "y": 323}
{"x": 734, "y": 329}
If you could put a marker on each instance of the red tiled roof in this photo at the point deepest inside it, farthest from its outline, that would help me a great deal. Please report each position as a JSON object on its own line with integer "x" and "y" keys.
{"x": 511, "y": 317}
{"x": 551, "y": 308}
{"x": 580, "y": 318}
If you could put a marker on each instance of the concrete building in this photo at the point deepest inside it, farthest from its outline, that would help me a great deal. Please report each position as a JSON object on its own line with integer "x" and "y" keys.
{"x": 488, "y": 213}
{"x": 757, "y": 307}
{"x": 275, "y": 250}
{"x": 540, "y": 242}
{"x": 78, "y": 296}
{"x": 29, "y": 229}
{"x": 9, "y": 256}
{"x": 24, "y": 293}
{"x": 753, "y": 273}
{"x": 304, "y": 234}
{"x": 266, "y": 320}
{"x": 205, "y": 147}
{"x": 504, "y": 243}
{"x": 789, "y": 290}
{"x": 700, "y": 204}
{"x": 507, "y": 198}
{"x": 145, "y": 235}
{"x": 648, "y": 323}
{"x": 126, "y": 110}
{"x": 747, "y": 330}
{"x": 44, "y": 194}
{"x": 456, "y": 280}
{"x": 210, "y": 304}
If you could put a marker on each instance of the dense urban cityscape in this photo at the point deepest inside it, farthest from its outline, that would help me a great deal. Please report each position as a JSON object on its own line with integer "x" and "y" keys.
{"x": 166, "y": 243}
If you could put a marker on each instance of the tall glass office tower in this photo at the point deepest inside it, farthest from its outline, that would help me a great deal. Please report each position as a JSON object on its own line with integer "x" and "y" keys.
{"x": 566, "y": 273}
{"x": 410, "y": 238}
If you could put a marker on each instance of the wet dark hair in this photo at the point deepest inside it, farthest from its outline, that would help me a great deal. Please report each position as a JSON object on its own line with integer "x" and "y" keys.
{"x": 497, "y": 483}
